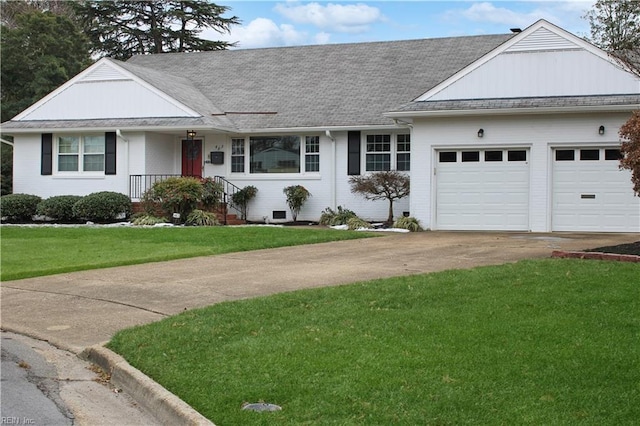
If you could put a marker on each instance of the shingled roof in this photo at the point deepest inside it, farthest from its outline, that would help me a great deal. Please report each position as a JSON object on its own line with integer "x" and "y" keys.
{"x": 310, "y": 86}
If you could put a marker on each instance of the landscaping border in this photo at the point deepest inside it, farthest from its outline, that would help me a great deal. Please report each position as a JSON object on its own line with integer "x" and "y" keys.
{"x": 594, "y": 255}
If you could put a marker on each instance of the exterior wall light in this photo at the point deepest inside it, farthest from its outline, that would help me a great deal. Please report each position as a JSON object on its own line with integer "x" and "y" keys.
{"x": 601, "y": 130}
{"x": 480, "y": 133}
{"x": 191, "y": 134}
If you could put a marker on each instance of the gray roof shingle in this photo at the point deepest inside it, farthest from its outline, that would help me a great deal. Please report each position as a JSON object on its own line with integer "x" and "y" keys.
{"x": 310, "y": 86}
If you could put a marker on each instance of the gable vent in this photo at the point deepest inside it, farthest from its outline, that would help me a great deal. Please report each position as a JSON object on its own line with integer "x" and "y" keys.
{"x": 542, "y": 39}
{"x": 104, "y": 73}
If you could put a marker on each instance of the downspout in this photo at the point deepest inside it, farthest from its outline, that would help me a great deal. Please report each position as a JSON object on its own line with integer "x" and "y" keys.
{"x": 333, "y": 168}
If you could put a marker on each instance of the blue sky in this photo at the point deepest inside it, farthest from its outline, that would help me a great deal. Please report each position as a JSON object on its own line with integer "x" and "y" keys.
{"x": 292, "y": 23}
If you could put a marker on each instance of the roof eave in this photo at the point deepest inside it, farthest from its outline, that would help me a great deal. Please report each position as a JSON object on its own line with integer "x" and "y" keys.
{"x": 513, "y": 111}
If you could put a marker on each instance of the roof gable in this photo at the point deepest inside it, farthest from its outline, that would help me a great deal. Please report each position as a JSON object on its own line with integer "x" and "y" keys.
{"x": 543, "y": 60}
{"x": 105, "y": 90}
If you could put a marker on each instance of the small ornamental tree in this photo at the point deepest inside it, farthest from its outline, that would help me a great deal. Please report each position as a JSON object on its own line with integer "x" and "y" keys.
{"x": 630, "y": 149}
{"x": 387, "y": 185}
{"x": 297, "y": 195}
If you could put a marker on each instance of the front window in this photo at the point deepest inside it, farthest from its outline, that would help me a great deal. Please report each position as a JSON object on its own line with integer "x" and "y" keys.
{"x": 312, "y": 154}
{"x": 237, "y": 155}
{"x": 81, "y": 153}
{"x": 274, "y": 154}
{"x": 403, "y": 153}
{"x": 378, "y": 153}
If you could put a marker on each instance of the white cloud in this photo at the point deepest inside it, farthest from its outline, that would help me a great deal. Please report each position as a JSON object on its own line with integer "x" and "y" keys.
{"x": 322, "y": 38}
{"x": 261, "y": 32}
{"x": 347, "y": 18}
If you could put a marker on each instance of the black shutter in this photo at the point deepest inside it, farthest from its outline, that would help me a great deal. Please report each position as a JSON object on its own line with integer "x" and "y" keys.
{"x": 353, "y": 153}
{"x": 110, "y": 153}
{"x": 46, "y": 156}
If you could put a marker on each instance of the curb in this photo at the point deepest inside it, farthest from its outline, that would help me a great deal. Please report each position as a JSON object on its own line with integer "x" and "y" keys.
{"x": 165, "y": 406}
{"x": 594, "y": 255}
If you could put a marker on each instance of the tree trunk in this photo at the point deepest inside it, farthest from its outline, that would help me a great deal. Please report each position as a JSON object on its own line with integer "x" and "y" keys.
{"x": 390, "y": 218}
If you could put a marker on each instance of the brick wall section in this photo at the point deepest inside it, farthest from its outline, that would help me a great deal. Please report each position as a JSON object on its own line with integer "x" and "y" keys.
{"x": 596, "y": 256}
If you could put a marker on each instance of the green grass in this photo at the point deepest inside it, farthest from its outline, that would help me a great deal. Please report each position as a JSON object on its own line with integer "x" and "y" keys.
{"x": 537, "y": 342}
{"x": 37, "y": 251}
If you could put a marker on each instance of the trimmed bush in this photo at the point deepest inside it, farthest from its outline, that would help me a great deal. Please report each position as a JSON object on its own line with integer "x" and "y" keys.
{"x": 329, "y": 217}
{"x": 59, "y": 207}
{"x": 296, "y": 195}
{"x": 410, "y": 223}
{"x": 242, "y": 198}
{"x": 19, "y": 207}
{"x": 105, "y": 206}
{"x": 175, "y": 195}
{"x": 201, "y": 218}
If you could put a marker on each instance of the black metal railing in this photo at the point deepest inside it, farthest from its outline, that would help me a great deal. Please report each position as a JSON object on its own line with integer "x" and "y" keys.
{"x": 228, "y": 191}
{"x": 139, "y": 184}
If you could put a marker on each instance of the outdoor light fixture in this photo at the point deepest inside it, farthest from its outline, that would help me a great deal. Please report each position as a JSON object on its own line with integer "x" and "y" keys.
{"x": 191, "y": 134}
{"x": 480, "y": 133}
{"x": 601, "y": 130}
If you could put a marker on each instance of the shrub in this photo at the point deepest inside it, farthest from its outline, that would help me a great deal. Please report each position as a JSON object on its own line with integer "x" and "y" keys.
{"x": 175, "y": 195}
{"x": 211, "y": 193}
{"x": 147, "y": 219}
{"x": 297, "y": 195}
{"x": 19, "y": 207}
{"x": 410, "y": 223}
{"x": 357, "y": 223}
{"x": 390, "y": 185}
{"x": 329, "y": 217}
{"x": 59, "y": 207}
{"x": 242, "y": 198}
{"x": 201, "y": 218}
{"x": 103, "y": 206}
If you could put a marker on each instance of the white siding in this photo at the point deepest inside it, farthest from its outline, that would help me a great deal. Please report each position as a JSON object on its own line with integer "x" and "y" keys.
{"x": 27, "y": 178}
{"x": 117, "y": 99}
{"x": 542, "y": 39}
{"x": 163, "y": 154}
{"x": 541, "y": 73}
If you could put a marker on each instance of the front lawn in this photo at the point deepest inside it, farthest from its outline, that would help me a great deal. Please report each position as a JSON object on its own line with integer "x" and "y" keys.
{"x": 43, "y": 250}
{"x": 550, "y": 341}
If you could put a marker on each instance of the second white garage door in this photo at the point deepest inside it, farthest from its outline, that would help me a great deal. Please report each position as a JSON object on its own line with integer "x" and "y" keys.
{"x": 485, "y": 189}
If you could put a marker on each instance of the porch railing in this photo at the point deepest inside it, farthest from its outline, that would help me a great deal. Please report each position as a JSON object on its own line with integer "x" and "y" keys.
{"x": 139, "y": 184}
{"x": 228, "y": 191}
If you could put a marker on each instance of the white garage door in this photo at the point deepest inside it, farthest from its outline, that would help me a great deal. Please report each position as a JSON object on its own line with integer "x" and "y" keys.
{"x": 485, "y": 189}
{"x": 590, "y": 192}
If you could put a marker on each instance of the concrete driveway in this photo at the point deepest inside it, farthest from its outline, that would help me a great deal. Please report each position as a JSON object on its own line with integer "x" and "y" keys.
{"x": 77, "y": 310}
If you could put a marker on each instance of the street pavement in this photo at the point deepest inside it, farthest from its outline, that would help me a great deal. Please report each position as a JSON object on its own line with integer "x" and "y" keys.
{"x": 78, "y": 310}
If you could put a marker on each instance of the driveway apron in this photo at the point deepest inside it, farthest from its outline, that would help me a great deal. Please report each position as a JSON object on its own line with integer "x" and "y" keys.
{"x": 77, "y": 310}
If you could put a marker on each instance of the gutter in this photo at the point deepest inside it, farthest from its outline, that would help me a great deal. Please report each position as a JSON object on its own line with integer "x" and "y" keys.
{"x": 333, "y": 168}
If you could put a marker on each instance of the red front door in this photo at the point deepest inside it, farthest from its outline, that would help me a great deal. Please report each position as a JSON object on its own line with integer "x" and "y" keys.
{"x": 192, "y": 157}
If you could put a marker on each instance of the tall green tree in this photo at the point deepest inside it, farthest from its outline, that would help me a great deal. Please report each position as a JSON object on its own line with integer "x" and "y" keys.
{"x": 123, "y": 28}
{"x": 39, "y": 54}
{"x": 10, "y": 9}
{"x": 615, "y": 28}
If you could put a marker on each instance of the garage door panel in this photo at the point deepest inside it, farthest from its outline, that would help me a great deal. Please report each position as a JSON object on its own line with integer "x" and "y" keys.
{"x": 593, "y": 196}
{"x": 482, "y": 196}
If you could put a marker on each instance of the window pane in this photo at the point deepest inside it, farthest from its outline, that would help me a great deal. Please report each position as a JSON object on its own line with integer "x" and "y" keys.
{"x": 493, "y": 156}
{"x": 237, "y": 146}
{"x": 404, "y": 143}
{"x": 237, "y": 164}
{"x": 93, "y": 163}
{"x": 565, "y": 155}
{"x": 378, "y": 162}
{"x": 312, "y": 163}
{"x": 312, "y": 144}
{"x": 94, "y": 144}
{"x": 589, "y": 154}
{"x": 612, "y": 154}
{"x": 378, "y": 143}
{"x": 520, "y": 155}
{"x": 448, "y": 157}
{"x": 403, "y": 162}
{"x": 67, "y": 163}
{"x": 274, "y": 154}
{"x": 68, "y": 145}
{"x": 470, "y": 156}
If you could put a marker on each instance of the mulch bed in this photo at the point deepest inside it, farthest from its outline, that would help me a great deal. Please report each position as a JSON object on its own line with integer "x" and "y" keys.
{"x": 631, "y": 248}
{"x": 622, "y": 253}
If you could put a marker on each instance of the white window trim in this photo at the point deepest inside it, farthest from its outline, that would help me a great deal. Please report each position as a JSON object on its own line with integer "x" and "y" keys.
{"x": 80, "y": 172}
{"x": 393, "y": 163}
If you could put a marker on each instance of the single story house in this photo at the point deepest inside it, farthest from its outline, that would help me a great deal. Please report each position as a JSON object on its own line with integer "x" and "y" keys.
{"x": 515, "y": 132}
